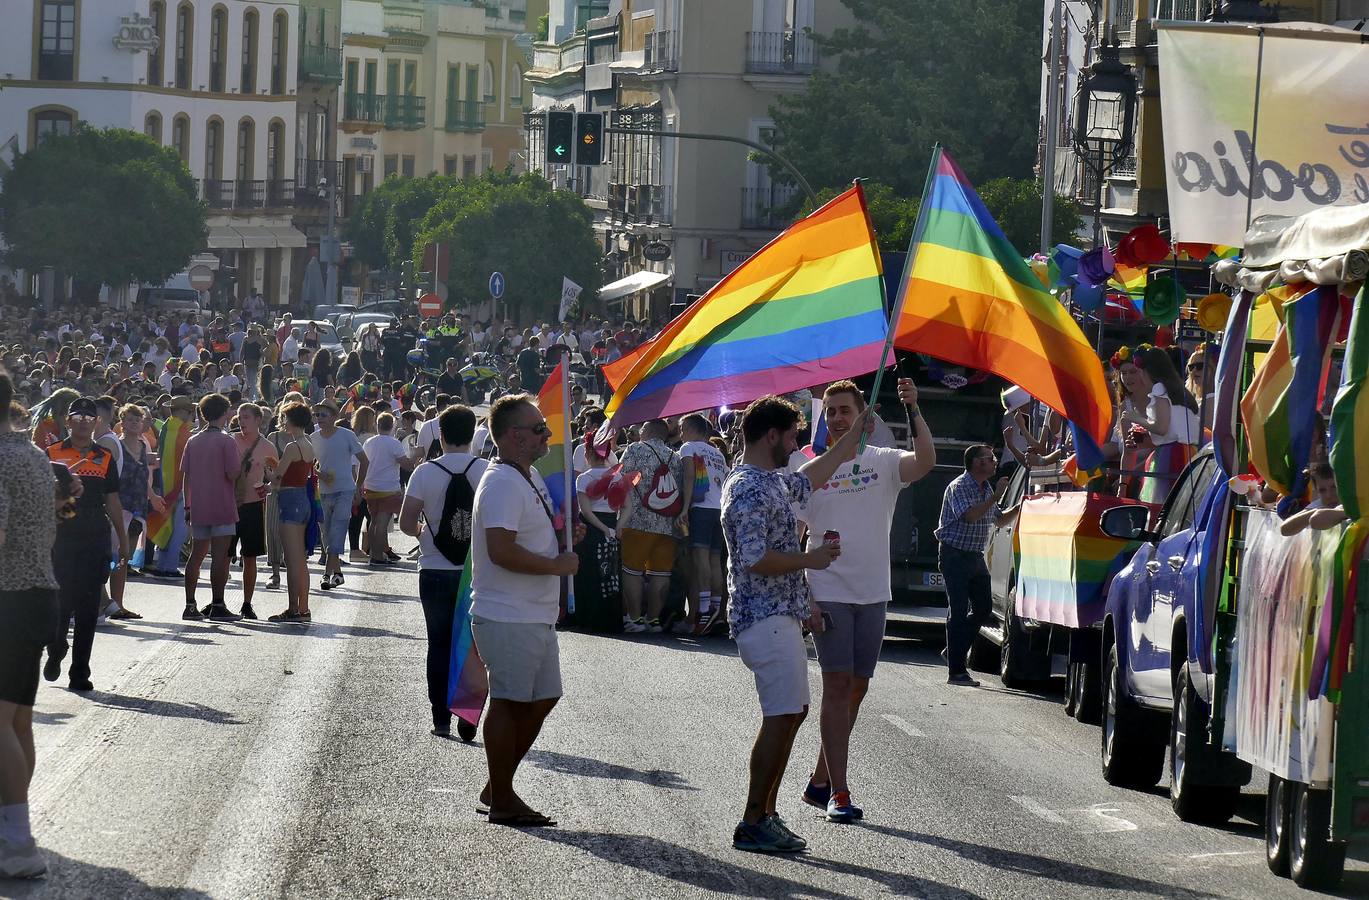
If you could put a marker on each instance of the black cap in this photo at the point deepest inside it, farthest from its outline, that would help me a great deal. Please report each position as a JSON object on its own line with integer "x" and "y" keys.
{"x": 82, "y": 406}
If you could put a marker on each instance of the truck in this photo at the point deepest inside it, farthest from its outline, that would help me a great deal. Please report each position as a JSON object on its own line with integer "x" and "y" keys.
{"x": 1210, "y": 631}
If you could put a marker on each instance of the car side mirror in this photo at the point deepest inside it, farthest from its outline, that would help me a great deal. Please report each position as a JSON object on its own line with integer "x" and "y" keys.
{"x": 1126, "y": 523}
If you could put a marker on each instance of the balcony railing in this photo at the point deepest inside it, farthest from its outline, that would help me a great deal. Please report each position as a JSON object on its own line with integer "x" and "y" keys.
{"x": 647, "y": 204}
{"x": 223, "y": 193}
{"x": 217, "y": 192}
{"x": 761, "y": 206}
{"x": 249, "y": 194}
{"x": 780, "y": 53}
{"x": 362, "y": 108}
{"x": 320, "y": 62}
{"x": 216, "y": 78}
{"x": 465, "y": 115}
{"x": 1179, "y": 10}
{"x": 405, "y": 111}
{"x": 662, "y": 52}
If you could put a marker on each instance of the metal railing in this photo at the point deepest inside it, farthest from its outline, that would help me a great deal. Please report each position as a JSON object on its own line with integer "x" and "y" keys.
{"x": 224, "y": 193}
{"x": 662, "y": 52}
{"x": 217, "y": 192}
{"x": 249, "y": 194}
{"x": 216, "y": 79}
{"x": 465, "y": 115}
{"x": 1180, "y": 10}
{"x": 647, "y": 204}
{"x": 780, "y": 52}
{"x": 760, "y": 206}
{"x": 361, "y": 108}
{"x": 321, "y": 62}
{"x": 405, "y": 111}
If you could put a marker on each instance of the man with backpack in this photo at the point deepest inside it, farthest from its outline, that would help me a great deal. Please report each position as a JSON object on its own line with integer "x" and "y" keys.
{"x": 437, "y": 510}
{"x": 646, "y": 528}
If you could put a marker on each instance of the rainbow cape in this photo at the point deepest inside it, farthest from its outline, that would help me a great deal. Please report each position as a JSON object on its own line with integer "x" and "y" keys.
{"x": 807, "y": 308}
{"x": 550, "y": 400}
{"x": 969, "y": 298}
{"x": 170, "y": 450}
{"x": 467, "y": 681}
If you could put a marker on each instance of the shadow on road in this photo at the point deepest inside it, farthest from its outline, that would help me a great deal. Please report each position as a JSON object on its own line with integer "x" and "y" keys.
{"x": 1041, "y": 866}
{"x": 321, "y": 629}
{"x": 69, "y": 877}
{"x": 166, "y": 708}
{"x": 567, "y": 764}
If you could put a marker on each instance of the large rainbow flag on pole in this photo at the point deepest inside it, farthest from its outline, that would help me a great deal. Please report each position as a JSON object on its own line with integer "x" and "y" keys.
{"x": 467, "y": 681}
{"x": 170, "y": 449}
{"x": 969, "y": 297}
{"x": 556, "y": 468}
{"x": 807, "y": 308}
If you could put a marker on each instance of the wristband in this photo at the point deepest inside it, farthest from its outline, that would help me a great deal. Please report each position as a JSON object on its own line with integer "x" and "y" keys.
{"x": 914, "y": 412}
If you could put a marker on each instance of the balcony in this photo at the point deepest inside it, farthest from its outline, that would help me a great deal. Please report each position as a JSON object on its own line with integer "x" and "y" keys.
{"x": 760, "y": 207}
{"x": 361, "y": 108}
{"x": 465, "y": 115}
{"x": 320, "y": 62}
{"x": 645, "y": 204}
{"x": 248, "y": 194}
{"x": 662, "y": 53}
{"x": 406, "y": 112}
{"x": 217, "y": 192}
{"x": 1179, "y": 10}
{"x": 780, "y": 53}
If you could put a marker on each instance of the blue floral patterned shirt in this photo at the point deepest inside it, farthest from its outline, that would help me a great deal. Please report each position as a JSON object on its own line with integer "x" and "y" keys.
{"x": 758, "y": 517}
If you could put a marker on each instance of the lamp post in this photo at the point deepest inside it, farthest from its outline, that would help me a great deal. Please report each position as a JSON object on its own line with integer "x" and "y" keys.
{"x": 330, "y": 248}
{"x": 1105, "y": 119}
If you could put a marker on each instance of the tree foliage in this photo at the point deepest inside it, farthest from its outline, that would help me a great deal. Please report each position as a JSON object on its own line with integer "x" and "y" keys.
{"x": 892, "y": 215}
{"x": 382, "y": 226}
{"x": 517, "y": 225}
{"x": 914, "y": 73}
{"x": 107, "y": 206}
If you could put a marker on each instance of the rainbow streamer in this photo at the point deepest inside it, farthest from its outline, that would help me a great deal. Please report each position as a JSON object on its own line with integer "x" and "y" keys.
{"x": 170, "y": 449}
{"x": 468, "y": 683}
{"x": 970, "y": 299}
{"x": 807, "y": 308}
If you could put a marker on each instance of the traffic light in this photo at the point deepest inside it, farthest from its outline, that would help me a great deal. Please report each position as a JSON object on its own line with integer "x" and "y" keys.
{"x": 589, "y": 139}
{"x": 560, "y": 136}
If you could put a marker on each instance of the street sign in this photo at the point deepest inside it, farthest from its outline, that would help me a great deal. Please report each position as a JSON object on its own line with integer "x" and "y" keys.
{"x": 496, "y": 285}
{"x": 560, "y": 135}
{"x": 201, "y": 278}
{"x": 429, "y": 305}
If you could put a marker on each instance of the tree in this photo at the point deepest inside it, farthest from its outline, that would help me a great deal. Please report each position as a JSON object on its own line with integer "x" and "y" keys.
{"x": 520, "y": 226}
{"x": 911, "y": 74}
{"x": 382, "y": 226}
{"x": 107, "y": 206}
{"x": 1016, "y": 204}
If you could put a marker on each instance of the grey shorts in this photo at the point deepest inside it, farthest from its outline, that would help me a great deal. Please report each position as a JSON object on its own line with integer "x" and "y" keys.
{"x": 205, "y": 532}
{"x": 852, "y": 640}
{"x": 522, "y": 659}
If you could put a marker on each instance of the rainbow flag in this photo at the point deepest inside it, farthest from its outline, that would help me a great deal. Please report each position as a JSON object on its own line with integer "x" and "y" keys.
{"x": 551, "y": 401}
{"x": 969, "y": 298}
{"x": 1130, "y": 281}
{"x": 805, "y": 309}
{"x": 170, "y": 449}
{"x": 467, "y": 681}
{"x": 1279, "y": 408}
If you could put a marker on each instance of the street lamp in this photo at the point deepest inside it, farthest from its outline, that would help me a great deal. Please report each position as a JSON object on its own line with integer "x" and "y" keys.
{"x": 1105, "y": 117}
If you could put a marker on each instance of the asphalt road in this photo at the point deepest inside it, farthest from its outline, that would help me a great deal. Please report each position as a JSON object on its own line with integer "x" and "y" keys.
{"x": 262, "y": 761}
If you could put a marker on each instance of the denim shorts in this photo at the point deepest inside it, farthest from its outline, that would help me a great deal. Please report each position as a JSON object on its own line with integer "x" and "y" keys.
{"x": 706, "y": 529}
{"x": 294, "y": 506}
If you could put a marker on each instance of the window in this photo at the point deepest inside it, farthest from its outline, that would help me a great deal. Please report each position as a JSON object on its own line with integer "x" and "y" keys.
{"x": 279, "y": 53}
{"x": 516, "y": 87}
{"x": 275, "y": 140}
{"x": 157, "y": 11}
{"x": 57, "y": 40}
{"x": 218, "y": 48}
{"x": 49, "y": 122}
{"x": 473, "y": 84}
{"x": 449, "y": 165}
{"x": 391, "y": 165}
{"x": 185, "y": 35}
{"x": 487, "y": 83}
{"x": 350, "y": 79}
{"x": 486, "y": 159}
{"x": 247, "y": 146}
{"x": 410, "y": 78}
{"x": 370, "y": 78}
{"x": 406, "y": 166}
{"x": 152, "y": 126}
{"x": 249, "y": 52}
{"x": 180, "y": 138}
{"x": 392, "y": 78}
{"x": 468, "y": 167}
{"x": 213, "y": 150}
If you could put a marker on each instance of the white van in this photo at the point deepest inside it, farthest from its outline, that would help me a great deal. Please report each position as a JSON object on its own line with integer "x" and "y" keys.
{"x": 174, "y": 295}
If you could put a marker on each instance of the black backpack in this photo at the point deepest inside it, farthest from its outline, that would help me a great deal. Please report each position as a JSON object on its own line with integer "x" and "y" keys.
{"x": 453, "y": 536}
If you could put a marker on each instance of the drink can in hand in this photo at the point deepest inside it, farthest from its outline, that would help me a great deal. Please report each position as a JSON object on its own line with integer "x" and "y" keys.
{"x": 831, "y": 536}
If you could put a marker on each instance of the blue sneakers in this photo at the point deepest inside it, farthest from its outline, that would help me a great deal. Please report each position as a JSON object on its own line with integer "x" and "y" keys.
{"x": 841, "y": 809}
{"x": 817, "y": 796}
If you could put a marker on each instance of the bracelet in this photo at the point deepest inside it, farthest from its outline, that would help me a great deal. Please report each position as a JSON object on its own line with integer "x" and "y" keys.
{"x": 914, "y": 412}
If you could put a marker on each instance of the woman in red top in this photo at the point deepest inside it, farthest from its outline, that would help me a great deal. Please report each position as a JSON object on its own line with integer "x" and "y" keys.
{"x": 289, "y": 482}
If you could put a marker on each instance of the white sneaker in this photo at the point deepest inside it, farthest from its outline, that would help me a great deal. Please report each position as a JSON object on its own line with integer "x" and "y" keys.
{"x": 632, "y": 627}
{"x": 21, "y": 860}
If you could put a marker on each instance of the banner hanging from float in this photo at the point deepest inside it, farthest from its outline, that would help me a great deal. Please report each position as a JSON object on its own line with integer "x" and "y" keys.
{"x": 1279, "y": 107}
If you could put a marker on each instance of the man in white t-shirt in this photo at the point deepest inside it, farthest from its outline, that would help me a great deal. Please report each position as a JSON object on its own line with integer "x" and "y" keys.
{"x": 705, "y": 469}
{"x": 853, "y": 593}
{"x": 423, "y": 514}
{"x": 428, "y": 435}
{"x": 385, "y": 455}
{"x": 516, "y": 568}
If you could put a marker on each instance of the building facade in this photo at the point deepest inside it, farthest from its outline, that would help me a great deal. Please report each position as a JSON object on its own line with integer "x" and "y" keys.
{"x": 714, "y": 66}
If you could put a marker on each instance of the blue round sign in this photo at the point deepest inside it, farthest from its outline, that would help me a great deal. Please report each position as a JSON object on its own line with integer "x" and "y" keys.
{"x": 496, "y": 284}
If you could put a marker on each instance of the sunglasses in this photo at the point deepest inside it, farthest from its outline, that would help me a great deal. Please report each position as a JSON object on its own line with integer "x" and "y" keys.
{"x": 1197, "y": 367}
{"x": 81, "y": 417}
{"x": 539, "y": 429}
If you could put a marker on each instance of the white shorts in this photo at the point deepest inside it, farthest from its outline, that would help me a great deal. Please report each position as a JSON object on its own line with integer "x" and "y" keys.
{"x": 774, "y": 651}
{"x": 521, "y": 658}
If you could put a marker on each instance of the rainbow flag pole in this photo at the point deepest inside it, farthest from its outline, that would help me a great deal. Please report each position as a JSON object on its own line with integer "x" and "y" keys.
{"x": 554, "y": 402}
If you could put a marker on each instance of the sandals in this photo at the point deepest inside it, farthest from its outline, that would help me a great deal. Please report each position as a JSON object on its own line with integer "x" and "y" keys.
{"x": 125, "y": 614}
{"x": 523, "y": 820}
{"x": 291, "y": 618}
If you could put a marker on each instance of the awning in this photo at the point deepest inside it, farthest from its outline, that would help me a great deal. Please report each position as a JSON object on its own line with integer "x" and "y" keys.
{"x": 255, "y": 237}
{"x": 221, "y": 237}
{"x": 288, "y": 236}
{"x": 637, "y": 281}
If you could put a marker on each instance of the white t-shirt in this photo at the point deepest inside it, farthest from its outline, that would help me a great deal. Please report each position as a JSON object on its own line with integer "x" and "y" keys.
{"x": 506, "y": 500}
{"x": 428, "y": 432}
{"x": 716, "y": 464}
{"x": 480, "y": 443}
{"x": 428, "y": 483}
{"x": 1184, "y": 427}
{"x": 860, "y": 507}
{"x": 383, "y": 454}
{"x": 582, "y": 483}
{"x": 579, "y": 459}
{"x": 227, "y": 383}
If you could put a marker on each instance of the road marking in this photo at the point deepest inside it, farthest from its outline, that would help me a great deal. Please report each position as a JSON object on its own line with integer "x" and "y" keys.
{"x": 904, "y": 726}
{"x": 1226, "y": 853}
{"x": 1107, "y": 822}
{"x": 443, "y": 791}
{"x": 1035, "y": 808}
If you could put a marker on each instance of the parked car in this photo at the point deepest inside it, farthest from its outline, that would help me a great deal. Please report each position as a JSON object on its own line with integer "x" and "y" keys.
{"x": 393, "y": 307}
{"x": 349, "y": 324}
{"x": 332, "y": 311}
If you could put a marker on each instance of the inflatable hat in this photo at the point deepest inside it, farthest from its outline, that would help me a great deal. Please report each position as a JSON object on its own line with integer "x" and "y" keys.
{"x": 1147, "y": 245}
{"x": 1066, "y": 259}
{"x": 1213, "y": 310}
{"x": 1097, "y": 266}
{"x": 1195, "y": 252}
{"x": 1087, "y": 296}
{"x": 1163, "y": 298}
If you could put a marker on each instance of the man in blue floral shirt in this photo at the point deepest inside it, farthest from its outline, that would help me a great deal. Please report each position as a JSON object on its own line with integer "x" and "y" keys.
{"x": 769, "y": 597}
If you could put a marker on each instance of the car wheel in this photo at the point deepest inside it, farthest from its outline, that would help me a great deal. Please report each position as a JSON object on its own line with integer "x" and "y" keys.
{"x": 1071, "y": 690}
{"x": 1133, "y": 751}
{"x": 1088, "y": 689}
{"x": 1208, "y": 804}
{"x": 1276, "y": 826}
{"x": 1009, "y": 670}
{"x": 1315, "y": 862}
